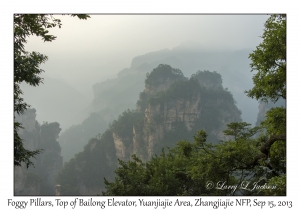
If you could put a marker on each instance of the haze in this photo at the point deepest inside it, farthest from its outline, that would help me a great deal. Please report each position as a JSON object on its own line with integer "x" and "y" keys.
{"x": 90, "y": 51}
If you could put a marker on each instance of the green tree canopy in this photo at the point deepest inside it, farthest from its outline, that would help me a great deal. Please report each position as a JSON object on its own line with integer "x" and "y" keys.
{"x": 26, "y": 68}
{"x": 269, "y": 60}
{"x": 162, "y": 73}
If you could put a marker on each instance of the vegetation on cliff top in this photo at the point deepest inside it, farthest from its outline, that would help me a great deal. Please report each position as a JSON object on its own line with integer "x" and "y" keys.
{"x": 162, "y": 73}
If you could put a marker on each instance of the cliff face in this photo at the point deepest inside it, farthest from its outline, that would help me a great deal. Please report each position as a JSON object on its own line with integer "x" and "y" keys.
{"x": 162, "y": 118}
{"x": 264, "y": 107}
{"x": 121, "y": 151}
{"x": 40, "y": 179}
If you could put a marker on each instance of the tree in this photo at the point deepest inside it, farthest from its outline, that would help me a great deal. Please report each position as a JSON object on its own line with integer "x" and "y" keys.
{"x": 26, "y": 69}
{"x": 240, "y": 130}
{"x": 269, "y": 60}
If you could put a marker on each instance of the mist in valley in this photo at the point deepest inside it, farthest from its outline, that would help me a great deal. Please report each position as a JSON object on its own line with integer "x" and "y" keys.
{"x": 87, "y": 53}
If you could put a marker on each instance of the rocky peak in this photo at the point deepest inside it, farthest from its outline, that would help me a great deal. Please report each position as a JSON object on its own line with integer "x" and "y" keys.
{"x": 40, "y": 179}
{"x": 171, "y": 104}
{"x": 161, "y": 78}
{"x": 210, "y": 80}
{"x": 27, "y": 120}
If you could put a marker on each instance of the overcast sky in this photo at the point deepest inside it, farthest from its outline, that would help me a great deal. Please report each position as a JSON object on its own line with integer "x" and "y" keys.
{"x": 88, "y": 51}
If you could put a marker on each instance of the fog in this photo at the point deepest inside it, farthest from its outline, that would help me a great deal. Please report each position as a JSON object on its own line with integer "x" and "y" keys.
{"x": 87, "y": 52}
